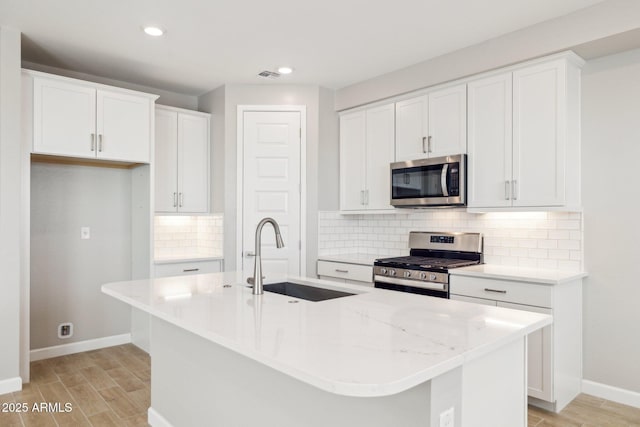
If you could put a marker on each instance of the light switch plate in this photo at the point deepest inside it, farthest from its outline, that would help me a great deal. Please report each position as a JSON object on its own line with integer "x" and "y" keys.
{"x": 85, "y": 233}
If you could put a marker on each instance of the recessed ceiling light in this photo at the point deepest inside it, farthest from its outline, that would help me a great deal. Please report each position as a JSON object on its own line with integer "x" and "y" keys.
{"x": 285, "y": 70}
{"x": 153, "y": 31}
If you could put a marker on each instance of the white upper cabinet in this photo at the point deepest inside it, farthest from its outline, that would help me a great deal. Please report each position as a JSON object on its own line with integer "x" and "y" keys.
{"x": 64, "y": 117}
{"x": 366, "y": 152}
{"x": 524, "y": 148}
{"x": 490, "y": 143}
{"x": 123, "y": 127}
{"x": 539, "y": 126}
{"x": 412, "y": 124}
{"x": 73, "y": 118}
{"x": 182, "y": 161}
{"x": 432, "y": 125}
{"x": 447, "y": 121}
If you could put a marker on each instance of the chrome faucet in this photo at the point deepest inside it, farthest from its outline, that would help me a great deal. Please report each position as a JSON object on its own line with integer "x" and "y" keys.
{"x": 256, "y": 280}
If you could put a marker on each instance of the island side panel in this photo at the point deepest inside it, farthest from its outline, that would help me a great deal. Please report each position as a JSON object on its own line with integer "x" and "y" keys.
{"x": 494, "y": 388}
{"x": 196, "y": 382}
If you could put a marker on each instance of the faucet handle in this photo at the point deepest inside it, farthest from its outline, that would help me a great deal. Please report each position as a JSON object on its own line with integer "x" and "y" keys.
{"x": 252, "y": 280}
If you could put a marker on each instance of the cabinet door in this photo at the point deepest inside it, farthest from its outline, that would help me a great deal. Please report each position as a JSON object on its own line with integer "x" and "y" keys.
{"x": 64, "y": 117}
{"x": 448, "y": 121}
{"x": 411, "y": 129}
{"x": 352, "y": 160}
{"x": 193, "y": 163}
{"x": 379, "y": 155}
{"x": 166, "y": 161}
{"x": 123, "y": 123}
{"x": 539, "y": 352}
{"x": 539, "y": 135}
{"x": 490, "y": 142}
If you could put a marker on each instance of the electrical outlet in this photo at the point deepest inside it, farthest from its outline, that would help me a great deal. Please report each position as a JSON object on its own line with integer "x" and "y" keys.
{"x": 85, "y": 233}
{"x": 65, "y": 330}
{"x": 447, "y": 418}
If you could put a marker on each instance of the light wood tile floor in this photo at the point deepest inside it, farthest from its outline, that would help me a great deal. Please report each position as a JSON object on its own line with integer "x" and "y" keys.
{"x": 110, "y": 387}
{"x": 107, "y": 387}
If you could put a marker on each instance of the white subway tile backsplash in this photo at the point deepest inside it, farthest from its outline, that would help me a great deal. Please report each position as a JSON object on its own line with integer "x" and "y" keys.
{"x": 189, "y": 236}
{"x": 533, "y": 239}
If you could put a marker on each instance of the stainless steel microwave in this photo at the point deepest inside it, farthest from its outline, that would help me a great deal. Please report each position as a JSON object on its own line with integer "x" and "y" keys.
{"x": 438, "y": 181}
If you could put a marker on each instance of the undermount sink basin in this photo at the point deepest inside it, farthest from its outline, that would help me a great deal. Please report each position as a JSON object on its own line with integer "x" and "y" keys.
{"x": 309, "y": 293}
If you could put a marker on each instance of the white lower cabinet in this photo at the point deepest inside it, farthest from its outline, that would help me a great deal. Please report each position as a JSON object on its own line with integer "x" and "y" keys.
{"x": 356, "y": 274}
{"x": 554, "y": 352}
{"x": 187, "y": 268}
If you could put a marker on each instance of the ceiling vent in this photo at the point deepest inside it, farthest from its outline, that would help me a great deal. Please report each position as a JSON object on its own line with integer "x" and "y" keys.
{"x": 269, "y": 74}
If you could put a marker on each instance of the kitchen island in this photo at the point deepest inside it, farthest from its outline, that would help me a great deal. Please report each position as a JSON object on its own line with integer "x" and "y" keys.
{"x": 221, "y": 356}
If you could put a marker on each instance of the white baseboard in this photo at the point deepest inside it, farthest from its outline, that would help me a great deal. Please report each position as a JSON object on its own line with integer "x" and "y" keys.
{"x": 615, "y": 394}
{"x": 10, "y": 385}
{"x": 156, "y": 420}
{"x": 78, "y": 347}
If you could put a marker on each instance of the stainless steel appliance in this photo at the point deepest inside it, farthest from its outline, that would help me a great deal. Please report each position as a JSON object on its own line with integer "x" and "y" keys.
{"x": 426, "y": 270}
{"x": 438, "y": 181}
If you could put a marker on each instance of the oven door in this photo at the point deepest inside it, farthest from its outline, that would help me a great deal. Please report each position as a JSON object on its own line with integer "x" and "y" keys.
{"x": 433, "y": 289}
{"x": 438, "y": 181}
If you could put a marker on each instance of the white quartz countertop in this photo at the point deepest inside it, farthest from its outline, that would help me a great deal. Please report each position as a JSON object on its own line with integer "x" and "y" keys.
{"x": 519, "y": 274}
{"x": 375, "y": 343}
{"x": 353, "y": 258}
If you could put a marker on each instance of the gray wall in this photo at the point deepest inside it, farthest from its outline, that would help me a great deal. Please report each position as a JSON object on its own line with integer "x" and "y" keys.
{"x": 10, "y": 202}
{"x": 566, "y": 32}
{"x": 214, "y": 102}
{"x": 611, "y": 200}
{"x": 328, "y": 154}
{"x": 67, "y": 272}
{"x": 235, "y": 95}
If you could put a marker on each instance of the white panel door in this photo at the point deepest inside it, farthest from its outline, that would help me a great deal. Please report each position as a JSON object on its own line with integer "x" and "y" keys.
{"x": 193, "y": 163}
{"x": 64, "y": 117}
{"x": 539, "y": 138}
{"x": 448, "y": 121}
{"x": 166, "y": 161}
{"x": 123, "y": 122}
{"x": 411, "y": 129}
{"x": 539, "y": 356}
{"x": 271, "y": 188}
{"x": 379, "y": 154}
{"x": 352, "y": 160}
{"x": 490, "y": 142}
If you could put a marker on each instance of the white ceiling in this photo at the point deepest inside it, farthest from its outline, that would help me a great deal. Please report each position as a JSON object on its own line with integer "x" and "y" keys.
{"x": 333, "y": 43}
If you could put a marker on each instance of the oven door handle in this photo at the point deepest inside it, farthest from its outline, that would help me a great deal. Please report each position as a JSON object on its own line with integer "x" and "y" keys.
{"x": 443, "y": 179}
{"x": 413, "y": 283}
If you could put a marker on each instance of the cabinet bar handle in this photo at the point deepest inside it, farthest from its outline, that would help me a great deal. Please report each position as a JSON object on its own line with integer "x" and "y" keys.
{"x": 175, "y": 200}
{"x": 100, "y": 143}
{"x": 341, "y": 271}
{"x": 181, "y": 196}
{"x": 187, "y": 270}
{"x": 362, "y": 197}
{"x": 514, "y": 183}
{"x": 499, "y": 291}
{"x": 506, "y": 189}
{"x": 424, "y": 144}
{"x": 429, "y": 144}
{"x": 93, "y": 142}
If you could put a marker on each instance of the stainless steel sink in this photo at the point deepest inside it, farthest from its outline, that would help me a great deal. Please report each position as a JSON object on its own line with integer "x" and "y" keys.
{"x": 309, "y": 293}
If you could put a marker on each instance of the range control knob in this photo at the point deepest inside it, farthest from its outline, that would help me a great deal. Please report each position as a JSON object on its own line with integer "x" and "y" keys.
{"x": 392, "y": 272}
{"x": 383, "y": 270}
{"x": 407, "y": 274}
{"x": 423, "y": 275}
{"x": 432, "y": 276}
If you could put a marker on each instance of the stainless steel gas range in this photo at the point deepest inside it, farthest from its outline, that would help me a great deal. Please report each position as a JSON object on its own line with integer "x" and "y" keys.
{"x": 426, "y": 270}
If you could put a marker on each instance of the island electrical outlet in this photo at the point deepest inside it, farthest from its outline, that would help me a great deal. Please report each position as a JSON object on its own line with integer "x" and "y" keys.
{"x": 447, "y": 418}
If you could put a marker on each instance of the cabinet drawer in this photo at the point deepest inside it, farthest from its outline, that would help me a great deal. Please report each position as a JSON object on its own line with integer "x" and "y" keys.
{"x": 500, "y": 290}
{"x": 360, "y": 273}
{"x": 185, "y": 268}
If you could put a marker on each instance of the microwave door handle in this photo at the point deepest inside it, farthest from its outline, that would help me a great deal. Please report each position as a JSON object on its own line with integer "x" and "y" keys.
{"x": 443, "y": 179}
